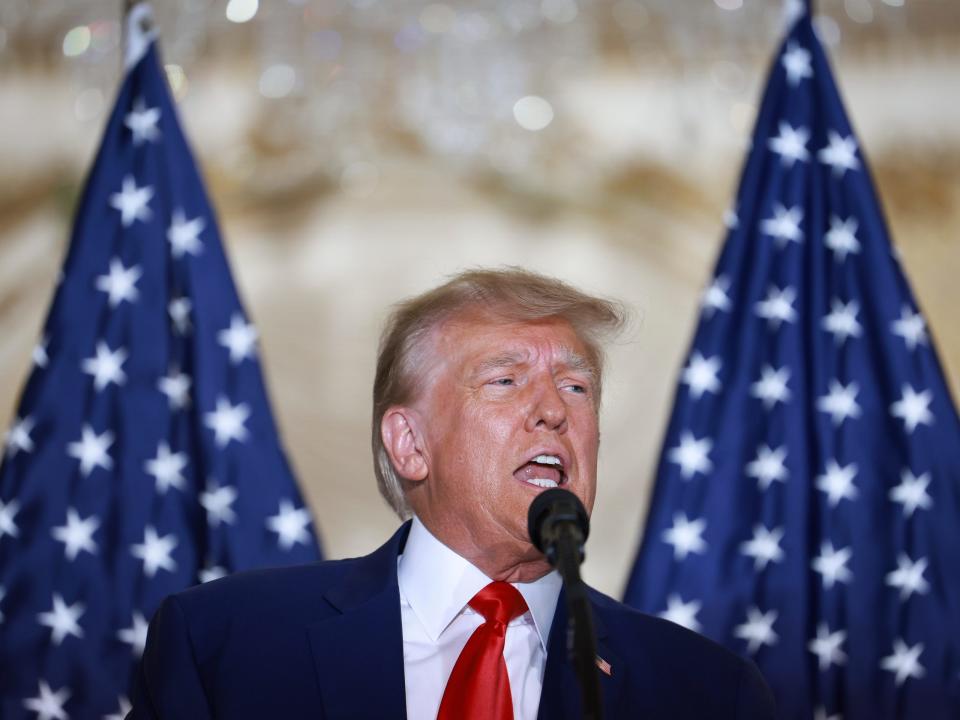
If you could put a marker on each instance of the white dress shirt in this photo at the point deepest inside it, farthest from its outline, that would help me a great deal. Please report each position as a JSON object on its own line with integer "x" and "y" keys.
{"x": 435, "y": 586}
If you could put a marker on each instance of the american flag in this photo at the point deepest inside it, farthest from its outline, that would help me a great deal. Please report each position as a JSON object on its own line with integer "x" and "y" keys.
{"x": 143, "y": 457}
{"x": 806, "y": 511}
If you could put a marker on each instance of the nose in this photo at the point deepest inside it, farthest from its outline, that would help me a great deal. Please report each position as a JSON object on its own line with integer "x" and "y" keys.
{"x": 548, "y": 410}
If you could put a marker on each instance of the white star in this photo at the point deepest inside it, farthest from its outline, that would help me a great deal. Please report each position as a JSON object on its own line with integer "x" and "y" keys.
{"x": 77, "y": 534}
{"x": 778, "y": 307}
{"x": 121, "y": 283}
{"x": 796, "y": 62}
{"x": 842, "y": 320}
{"x": 167, "y": 468}
{"x": 911, "y": 327}
{"x": 8, "y": 511}
{"x": 764, "y": 546}
{"x": 771, "y": 388}
{"x": 91, "y": 450}
{"x": 832, "y": 564}
{"x": 48, "y": 705}
{"x": 184, "y": 235}
{"x": 227, "y": 421}
{"x": 908, "y": 577}
{"x": 793, "y": 10}
{"x": 176, "y": 386}
{"x": 18, "y": 436}
{"x": 142, "y": 122}
{"x": 155, "y": 552}
{"x": 904, "y": 661}
{"x": 179, "y": 309}
{"x": 701, "y": 375}
{"x": 840, "y": 153}
{"x": 827, "y": 647}
{"x": 240, "y": 338}
{"x": 730, "y": 219}
{"x": 691, "y": 455}
{"x": 135, "y": 635}
{"x": 913, "y": 408}
{"x": 757, "y": 630}
{"x": 106, "y": 367}
{"x": 784, "y": 226}
{"x": 123, "y": 709}
{"x": 841, "y": 238}
{"x": 837, "y": 482}
{"x": 214, "y": 572}
{"x": 132, "y": 202}
{"x": 685, "y": 536}
{"x": 217, "y": 501}
{"x": 682, "y": 613}
{"x": 290, "y": 524}
{"x": 840, "y": 402}
{"x": 62, "y": 620}
{"x": 912, "y": 492}
{"x": 790, "y": 144}
{"x": 39, "y": 354}
{"x": 715, "y": 296}
{"x": 768, "y": 466}
{"x": 821, "y": 714}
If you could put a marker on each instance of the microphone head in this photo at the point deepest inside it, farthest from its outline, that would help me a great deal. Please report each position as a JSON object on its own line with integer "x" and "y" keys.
{"x": 550, "y": 507}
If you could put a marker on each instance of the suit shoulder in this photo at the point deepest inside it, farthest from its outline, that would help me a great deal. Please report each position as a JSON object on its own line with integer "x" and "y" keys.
{"x": 709, "y": 680}
{"x": 269, "y": 585}
{"x": 625, "y": 621}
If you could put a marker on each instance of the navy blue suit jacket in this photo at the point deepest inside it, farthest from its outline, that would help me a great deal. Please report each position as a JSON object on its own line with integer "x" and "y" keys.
{"x": 324, "y": 641}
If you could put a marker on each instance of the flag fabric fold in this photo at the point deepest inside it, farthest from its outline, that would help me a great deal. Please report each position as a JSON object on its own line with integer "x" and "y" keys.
{"x": 806, "y": 510}
{"x": 143, "y": 457}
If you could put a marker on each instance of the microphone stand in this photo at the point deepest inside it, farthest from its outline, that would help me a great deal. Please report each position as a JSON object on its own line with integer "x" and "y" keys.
{"x": 581, "y": 645}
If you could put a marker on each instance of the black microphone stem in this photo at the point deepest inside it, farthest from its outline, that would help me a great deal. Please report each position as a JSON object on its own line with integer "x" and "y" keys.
{"x": 559, "y": 525}
{"x": 581, "y": 645}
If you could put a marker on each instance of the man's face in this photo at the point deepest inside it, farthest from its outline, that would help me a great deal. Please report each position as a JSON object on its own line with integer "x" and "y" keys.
{"x": 507, "y": 410}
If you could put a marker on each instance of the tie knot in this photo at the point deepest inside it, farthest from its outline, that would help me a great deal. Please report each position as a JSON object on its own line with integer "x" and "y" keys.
{"x": 499, "y": 602}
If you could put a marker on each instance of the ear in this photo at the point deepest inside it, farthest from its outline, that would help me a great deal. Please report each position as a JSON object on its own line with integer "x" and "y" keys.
{"x": 399, "y": 430}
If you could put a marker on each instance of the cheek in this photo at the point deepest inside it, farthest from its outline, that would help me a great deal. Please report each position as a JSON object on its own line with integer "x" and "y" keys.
{"x": 588, "y": 443}
{"x": 588, "y": 434}
{"x": 474, "y": 441}
{"x": 486, "y": 427}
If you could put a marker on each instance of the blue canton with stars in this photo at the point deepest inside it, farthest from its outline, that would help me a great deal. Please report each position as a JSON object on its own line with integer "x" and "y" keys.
{"x": 807, "y": 505}
{"x": 143, "y": 458}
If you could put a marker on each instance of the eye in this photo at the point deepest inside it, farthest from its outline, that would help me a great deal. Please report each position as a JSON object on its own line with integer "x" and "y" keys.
{"x": 503, "y": 381}
{"x": 576, "y": 388}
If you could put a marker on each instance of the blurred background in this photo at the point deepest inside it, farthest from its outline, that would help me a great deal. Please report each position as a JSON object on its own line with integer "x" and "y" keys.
{"x": 358, "y": 151}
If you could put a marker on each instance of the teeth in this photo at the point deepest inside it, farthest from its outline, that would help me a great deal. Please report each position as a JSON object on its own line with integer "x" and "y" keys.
{"x": 547, "y": 460}
{"x": 542, "y": 482}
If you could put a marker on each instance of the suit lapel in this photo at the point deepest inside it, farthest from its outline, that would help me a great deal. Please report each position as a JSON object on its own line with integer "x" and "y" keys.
{"x": 358, "y": 649}
{"x": 561, "y": 697}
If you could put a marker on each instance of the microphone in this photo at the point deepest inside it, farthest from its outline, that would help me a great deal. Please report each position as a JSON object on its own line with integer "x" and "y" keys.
{"x": 558, "y": 527}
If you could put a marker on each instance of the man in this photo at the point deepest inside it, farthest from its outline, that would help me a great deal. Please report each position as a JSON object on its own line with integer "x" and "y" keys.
{"x": 487, "y": 391}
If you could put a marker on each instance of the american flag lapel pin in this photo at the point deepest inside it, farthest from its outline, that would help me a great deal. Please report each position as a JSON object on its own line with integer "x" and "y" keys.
{"x": 604, "y": 666}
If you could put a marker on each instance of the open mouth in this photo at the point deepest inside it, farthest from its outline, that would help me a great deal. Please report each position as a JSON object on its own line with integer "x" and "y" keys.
{"x": 542, "y": 471}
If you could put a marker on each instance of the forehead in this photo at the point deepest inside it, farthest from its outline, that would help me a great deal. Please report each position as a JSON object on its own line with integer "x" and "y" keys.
{"x": 476, "y": 341}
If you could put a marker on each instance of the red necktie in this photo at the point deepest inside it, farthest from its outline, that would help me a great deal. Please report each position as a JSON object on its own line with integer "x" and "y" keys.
{"x": 479, "y": 688}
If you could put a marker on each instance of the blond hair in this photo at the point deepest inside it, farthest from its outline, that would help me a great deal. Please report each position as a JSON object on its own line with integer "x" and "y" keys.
{"x": 510, "y": 294}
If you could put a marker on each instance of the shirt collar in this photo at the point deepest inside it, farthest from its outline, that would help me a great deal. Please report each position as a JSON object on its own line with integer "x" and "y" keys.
{"x": 437, "y": 583}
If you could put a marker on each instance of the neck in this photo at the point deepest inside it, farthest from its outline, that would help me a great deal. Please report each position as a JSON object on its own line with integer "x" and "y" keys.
{"x": 507, "y": 560}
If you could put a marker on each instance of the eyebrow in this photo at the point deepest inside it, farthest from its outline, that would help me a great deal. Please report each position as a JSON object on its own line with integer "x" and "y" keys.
{"x": 574, "y": 361}
{"x": 499, "y": 361}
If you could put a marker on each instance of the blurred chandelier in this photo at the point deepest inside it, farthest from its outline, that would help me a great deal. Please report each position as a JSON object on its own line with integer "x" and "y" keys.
{"x": 480, "y": 84}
